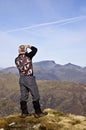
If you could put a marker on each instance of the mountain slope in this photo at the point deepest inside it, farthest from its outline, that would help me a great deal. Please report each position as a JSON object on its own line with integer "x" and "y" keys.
{"x": 67, "y": 97}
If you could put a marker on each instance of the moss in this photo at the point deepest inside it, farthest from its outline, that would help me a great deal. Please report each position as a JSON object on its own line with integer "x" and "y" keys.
{"x": 15, "y": 118}
{"x": 59, "y": 113}
{"x": 32, "y": 120}
{"x": 3, "y": 124}
{"x": 49, "y": 122}
{"x": 75, "y": 122}
{"x": 42, "y": 128}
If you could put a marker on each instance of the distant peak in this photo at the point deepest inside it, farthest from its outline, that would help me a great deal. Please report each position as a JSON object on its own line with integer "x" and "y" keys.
{"x": 48, "y": 61}
{"x": 69, "y": 64}
{"x": 72, "y": 66}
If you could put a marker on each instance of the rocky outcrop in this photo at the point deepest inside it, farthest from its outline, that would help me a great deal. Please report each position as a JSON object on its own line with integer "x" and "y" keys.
{"x": 54, "y": 120}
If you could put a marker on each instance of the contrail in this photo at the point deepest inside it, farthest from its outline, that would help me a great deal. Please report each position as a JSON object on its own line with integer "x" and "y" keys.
{"x": 59, "y": 22}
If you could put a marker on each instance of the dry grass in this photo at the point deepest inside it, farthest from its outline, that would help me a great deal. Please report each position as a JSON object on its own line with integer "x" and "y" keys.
{"x": 53, "y": 121}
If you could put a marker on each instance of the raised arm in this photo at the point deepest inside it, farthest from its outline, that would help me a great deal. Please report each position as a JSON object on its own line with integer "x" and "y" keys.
{"x": 33, "y": 51}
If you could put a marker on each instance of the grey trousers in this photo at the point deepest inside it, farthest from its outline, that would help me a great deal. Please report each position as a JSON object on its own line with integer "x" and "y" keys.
{"x": 28, "y": 84}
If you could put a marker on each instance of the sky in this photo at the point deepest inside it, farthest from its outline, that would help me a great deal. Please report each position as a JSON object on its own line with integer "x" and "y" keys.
{"x": 56, "y": 27}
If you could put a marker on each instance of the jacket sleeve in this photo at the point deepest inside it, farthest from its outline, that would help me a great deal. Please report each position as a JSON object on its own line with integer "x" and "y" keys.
{"x": 32, "y": 53}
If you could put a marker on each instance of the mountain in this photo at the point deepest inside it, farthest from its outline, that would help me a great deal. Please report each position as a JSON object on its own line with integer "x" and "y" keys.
{"x": 84, "y": 69}
{"x": 9, "y": 70}
{"x": 49, "y": 70}
{"x": 45, "y": 64}
{"x": 1, "y": 68}
{"x": 68, "y": 97}
{"x": 72, "y": 66}
{"x": 54, "y": 120}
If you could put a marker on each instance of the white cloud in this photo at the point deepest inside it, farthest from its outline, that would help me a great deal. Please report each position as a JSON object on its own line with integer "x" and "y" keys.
{"x": 59, "y": 22}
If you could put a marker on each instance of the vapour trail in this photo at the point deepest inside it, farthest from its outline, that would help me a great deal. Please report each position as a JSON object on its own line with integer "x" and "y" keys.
{"x": 59, "y": 22}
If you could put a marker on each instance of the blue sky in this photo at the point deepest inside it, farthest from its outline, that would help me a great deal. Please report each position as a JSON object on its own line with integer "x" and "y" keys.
{"x": 56, "y": 27}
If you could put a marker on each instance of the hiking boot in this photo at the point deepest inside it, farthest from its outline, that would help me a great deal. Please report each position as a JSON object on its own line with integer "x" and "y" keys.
{"x": 37, "y": 115}
{"x": 23, "y": 115}
{"x": 24, "y": 109}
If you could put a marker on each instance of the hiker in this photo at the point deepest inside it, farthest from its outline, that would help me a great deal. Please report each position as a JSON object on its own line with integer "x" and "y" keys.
{"x": 27, "y": 80}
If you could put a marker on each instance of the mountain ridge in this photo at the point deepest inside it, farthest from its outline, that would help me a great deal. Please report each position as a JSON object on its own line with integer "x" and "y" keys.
{"x": 49, "y": 70}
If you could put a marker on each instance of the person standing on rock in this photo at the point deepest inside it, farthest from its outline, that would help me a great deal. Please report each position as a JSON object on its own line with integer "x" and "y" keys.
{"x": 27, "y": 80}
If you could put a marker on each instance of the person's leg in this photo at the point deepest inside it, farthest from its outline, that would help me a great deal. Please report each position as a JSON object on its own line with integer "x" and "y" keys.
{"x": 36, "y": 106}
{"x": 23, "y": 99}
{"x": 24, "y": 109}
{"x": 38, "y": 111}
{"x": 33, "y": 88}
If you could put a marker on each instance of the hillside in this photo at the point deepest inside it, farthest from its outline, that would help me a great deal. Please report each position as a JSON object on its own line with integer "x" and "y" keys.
{"x": 54, "y": 120}
{"x": 68, "y": 97}
{"x": 49, "y": 70}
